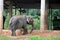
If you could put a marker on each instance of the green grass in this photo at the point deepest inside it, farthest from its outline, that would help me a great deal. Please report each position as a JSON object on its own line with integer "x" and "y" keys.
{"x": 33, "y": 38}
{"x": 4, "y": 38}
{"x": 42, "y": 38}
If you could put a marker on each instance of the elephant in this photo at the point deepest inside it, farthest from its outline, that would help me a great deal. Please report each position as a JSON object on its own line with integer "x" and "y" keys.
{"x": 20, "y": 21}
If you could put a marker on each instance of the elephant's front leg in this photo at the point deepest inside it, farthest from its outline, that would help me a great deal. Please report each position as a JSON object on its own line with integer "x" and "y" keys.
{"x": 25, "y": 31}
{"x": 13, "y": 32}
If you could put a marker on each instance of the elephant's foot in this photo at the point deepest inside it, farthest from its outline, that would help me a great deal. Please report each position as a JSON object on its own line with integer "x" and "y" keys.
{"x": 25, "y": 33}
{"x": 13, "y": 34}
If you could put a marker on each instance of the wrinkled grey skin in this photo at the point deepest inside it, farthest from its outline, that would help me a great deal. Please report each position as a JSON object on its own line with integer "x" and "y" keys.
{"x": 18, "y": 22}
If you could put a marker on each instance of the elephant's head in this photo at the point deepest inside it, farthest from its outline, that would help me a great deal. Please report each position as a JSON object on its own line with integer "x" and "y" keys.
{"x": 30, "y": 21}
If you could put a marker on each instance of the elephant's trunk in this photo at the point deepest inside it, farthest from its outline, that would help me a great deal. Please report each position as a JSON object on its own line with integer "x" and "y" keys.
{"x": 32, "y": 27}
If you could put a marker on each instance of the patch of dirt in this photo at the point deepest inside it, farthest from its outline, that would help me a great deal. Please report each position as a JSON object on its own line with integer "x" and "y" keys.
{"x": 46, "y": 33}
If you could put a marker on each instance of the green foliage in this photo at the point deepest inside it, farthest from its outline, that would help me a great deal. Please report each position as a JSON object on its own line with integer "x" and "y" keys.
{"x": 33, "y": 12}
{"x": 36, "y": 24}
{"x": 6, "y": 25}
{"x": 51, "y": 14}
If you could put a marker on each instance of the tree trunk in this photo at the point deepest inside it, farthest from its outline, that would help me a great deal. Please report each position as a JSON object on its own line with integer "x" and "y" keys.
{"x": 10, "y": 10}
{"x": 1, "y": 16}
{"x": 44, "y": 12}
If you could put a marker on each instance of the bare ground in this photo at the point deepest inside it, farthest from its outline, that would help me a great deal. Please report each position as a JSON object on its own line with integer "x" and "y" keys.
{"x": 47, "y": 33}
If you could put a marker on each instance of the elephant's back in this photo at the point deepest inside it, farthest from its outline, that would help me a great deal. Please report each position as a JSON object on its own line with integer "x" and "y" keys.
{"x": 20, "y": 20}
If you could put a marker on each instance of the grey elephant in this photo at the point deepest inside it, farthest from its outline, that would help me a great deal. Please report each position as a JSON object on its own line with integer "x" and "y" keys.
{"x": 20, "y": 21}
